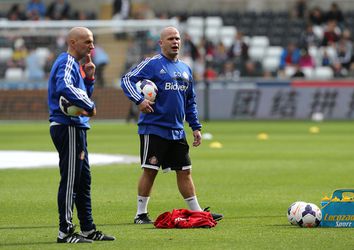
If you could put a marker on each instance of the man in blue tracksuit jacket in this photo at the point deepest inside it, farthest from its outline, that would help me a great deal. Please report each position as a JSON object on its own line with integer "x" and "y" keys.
{"x": 69, "y": 136}
{"x": 162, "y": 137}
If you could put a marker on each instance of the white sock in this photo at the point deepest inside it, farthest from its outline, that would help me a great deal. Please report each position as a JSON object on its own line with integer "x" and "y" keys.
{"x": 193, "y": 204}
{"x": 87, "y": 233}
{"x": 62, "y": 235}
{"x": 142, "y": 204}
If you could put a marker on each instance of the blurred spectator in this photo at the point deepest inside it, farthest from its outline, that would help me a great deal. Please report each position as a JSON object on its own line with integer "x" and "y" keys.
{"x": 306, "y": 60}
{"x": 199, "y": 68}
{"x": 290, "y": 56}
{"x": 121, "y": 9}
{"x": 187, "y": 58}
{"x": 335, "y": 14}
{"x": 150, "y": 47}
{"x": 338, "y": 70}
{"x": 48, "y": 64}
{"x": 100, "y": 59}
{"x": 229, "y": 73}
{"x": 316, "y": 16}
{"x": 331, "y": 34}
{"x": 35, "y": 10}
{"x": 209, "y": 50}
{"x": 251, "y": 69}
{"x": 189, "y": 47}
{"x": 19, "y": 55}
{"x": 239, "y": 49}
{"x": 326, "y": 59}
{"x": 58, "y": 10}
{"x": 83, "y": 15}
{"x": 16, "y": 13}
{"x": 163, "y": 16}
{"x": 345, "y": 50}
{"x": 300, "y": 9}
{"x": 210, "y": 73}
{"x": 34, "y": 66}
{"x": 220, "y": 56}
{"x": 309, "y": 38}
{"x": 143, "y": 11}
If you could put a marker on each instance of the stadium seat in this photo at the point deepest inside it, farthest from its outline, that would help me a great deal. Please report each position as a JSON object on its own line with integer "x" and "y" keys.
{"x": 277, "y": 41}
{"x": 227, "y": 41}
{"x": 247, "y": 40}
{"x": 5, "y": 54}
{"x": 194, "y": 27}
{"x": 314, "y": 52}
{"x": 213, "y": 34}
{"x": 289, "y": 71}
{"x": 14, "y": 74}
{"x": 227, "y": 35}
{"x": 195, "y": 21}
{"x": 318, "y": 30}
{"x": 42, "y": 54}
{"x": 308, "y": 72}
{"x": 196, "y": 33}
{"x": 274, "y": 51}
{"x": 256, "y": 53}
{"x": 323, "y": 73}
{"x": 271, "y": 63}
{"x": 213, "y": 21}
{"x": 259, "y": 41}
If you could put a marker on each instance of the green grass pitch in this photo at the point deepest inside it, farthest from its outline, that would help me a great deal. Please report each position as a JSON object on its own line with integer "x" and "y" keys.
{"x": 252, "y": 182}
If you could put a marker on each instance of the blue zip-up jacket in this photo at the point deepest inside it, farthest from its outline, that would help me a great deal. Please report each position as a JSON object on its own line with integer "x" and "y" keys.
{"x": 175, "y": 101}
{"x": 66, "y": 80}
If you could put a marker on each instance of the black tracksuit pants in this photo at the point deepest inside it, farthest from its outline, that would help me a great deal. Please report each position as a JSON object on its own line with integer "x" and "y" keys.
{"x": 75, "y": 182}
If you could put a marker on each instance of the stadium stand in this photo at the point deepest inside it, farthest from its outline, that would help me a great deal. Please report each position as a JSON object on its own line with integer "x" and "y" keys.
{"x": 265, "y": 32}
{"x": 14, "y": 74}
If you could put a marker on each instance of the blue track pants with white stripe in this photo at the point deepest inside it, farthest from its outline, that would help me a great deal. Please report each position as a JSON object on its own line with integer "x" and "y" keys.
{"x": 75, "y": 182}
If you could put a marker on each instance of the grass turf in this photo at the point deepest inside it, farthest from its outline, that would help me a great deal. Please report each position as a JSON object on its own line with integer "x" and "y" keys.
{"x": 252, "y": 182}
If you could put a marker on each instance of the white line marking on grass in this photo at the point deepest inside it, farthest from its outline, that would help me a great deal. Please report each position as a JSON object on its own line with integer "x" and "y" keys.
{"x": 36, "y": 159}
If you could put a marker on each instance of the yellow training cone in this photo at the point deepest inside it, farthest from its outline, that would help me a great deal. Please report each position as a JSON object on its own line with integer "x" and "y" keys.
{"x": 314, "y": 130}
{"x": 215, "y": 144}
{"x": 262, "y": 136}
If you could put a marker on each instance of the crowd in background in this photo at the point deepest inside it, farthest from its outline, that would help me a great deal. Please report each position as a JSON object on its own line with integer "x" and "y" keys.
{"x": 326, "y": 28}
{"x": 326, "y": 31}
{"x": 24, "y": 54}
{"x": 56, "y": 10}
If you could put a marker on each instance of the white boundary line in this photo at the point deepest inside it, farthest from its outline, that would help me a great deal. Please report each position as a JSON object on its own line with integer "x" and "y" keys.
{"x": 37, "y": 159}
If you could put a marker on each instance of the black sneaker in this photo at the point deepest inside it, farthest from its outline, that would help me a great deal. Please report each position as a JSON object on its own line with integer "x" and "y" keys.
{"x": 142, "y": 219}
{"x": 97, "y": 236}
{"x": 216, "y": 217}
{"x": 73, "y": 238}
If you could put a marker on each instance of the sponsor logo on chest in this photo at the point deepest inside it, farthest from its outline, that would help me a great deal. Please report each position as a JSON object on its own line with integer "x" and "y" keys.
{"x": 181, "y": 82}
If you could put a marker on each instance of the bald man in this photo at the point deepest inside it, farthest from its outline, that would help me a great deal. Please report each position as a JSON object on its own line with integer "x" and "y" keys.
{"x": 75, "y": 82}
{"x": 163, "y": 141}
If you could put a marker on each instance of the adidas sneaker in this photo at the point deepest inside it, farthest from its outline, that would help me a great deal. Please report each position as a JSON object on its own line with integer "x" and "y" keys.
{"x": 97, "y": 236}
{"x": 215, "y": 216}
{"x": 142, "y": 219}
{"x": 73, "y": 238}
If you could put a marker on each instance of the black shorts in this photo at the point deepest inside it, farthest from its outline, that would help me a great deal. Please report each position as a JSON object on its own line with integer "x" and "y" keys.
{"x": 156, "y": 151}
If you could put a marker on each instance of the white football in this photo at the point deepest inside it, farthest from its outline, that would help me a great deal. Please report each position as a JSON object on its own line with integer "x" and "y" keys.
{"x": 68, "y": 108}
{"x": 148, "y": 89}
{"x": 308, "y": 215}
{"x": 292, "y": 210}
